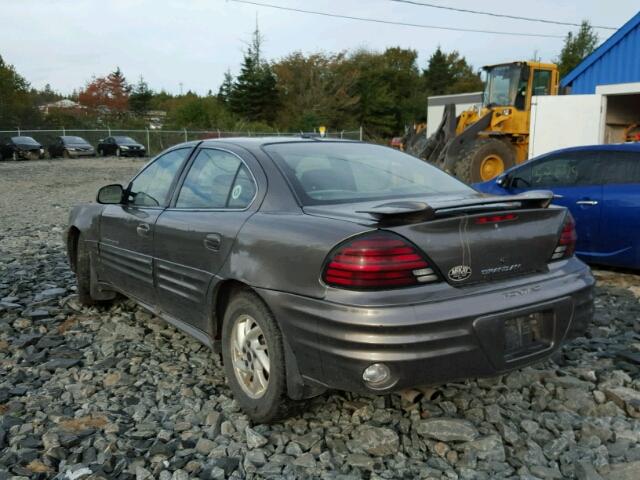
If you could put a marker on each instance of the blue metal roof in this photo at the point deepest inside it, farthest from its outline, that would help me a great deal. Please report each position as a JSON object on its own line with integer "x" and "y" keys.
{"x": 615, "y": 61}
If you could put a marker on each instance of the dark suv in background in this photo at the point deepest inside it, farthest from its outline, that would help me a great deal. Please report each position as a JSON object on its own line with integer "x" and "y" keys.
{"x": 121, "y": 146}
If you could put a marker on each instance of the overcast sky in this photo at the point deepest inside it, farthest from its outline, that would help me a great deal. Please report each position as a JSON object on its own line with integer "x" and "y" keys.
{"x": 193, "y": 42}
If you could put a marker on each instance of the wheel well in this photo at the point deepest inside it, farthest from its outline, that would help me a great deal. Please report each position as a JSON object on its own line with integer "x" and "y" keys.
{"x": 72, "y": 247}
{"x": 223, "y": 295}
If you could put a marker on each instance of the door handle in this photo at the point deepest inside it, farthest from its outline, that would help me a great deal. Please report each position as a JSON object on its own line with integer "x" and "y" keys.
{"x": 143, "y": 229}
{"x": 587, "y": 202}
{"x": 212, "y": 242}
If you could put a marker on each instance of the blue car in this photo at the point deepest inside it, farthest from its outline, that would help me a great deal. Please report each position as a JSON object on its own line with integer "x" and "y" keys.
{"x": 600, "y": 185}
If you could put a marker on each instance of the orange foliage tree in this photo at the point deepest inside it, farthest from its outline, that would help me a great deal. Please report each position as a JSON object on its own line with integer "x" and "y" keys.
{"x": 110, "y": 93}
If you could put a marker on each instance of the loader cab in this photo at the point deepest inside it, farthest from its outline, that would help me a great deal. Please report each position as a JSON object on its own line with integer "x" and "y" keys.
{"x": 513, "y": 84}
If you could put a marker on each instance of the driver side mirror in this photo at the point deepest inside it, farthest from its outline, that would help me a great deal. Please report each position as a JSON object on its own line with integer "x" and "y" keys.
{"x": 110, "y": 194}
{"x": 503, "y": 181}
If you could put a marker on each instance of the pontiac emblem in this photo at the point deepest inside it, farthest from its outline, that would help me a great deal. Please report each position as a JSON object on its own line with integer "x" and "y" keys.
{"x": 459, "y": 273}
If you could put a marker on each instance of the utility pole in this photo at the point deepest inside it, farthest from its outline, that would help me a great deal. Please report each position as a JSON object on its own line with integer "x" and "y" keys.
{"x": 180, "y": 88}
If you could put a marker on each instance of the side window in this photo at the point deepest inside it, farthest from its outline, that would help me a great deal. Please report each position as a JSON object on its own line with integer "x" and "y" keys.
{"x": 620, "y": 167}
{"x": 151, "y": 187}
{"x": 566, "y": 170}
{"x": 216, "y": 179}
{"x": 541, "y": 82}
{"x": 243, "y": 190}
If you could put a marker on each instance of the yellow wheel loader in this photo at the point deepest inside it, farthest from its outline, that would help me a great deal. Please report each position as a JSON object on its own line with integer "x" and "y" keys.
{"x": 481, "y": 143}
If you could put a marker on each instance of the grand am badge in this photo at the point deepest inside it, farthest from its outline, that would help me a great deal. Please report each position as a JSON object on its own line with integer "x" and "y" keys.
{"x": 459, "y": 273}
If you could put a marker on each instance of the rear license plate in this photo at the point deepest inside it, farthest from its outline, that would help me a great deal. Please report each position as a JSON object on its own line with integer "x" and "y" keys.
{"x": 524, "y": 333}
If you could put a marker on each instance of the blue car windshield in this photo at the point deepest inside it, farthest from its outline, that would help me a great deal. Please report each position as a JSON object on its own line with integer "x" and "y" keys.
{"x": 341, "y": 172}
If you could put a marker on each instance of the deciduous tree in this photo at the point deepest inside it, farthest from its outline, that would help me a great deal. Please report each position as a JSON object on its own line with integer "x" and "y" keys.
{"x": 110, "y": 93}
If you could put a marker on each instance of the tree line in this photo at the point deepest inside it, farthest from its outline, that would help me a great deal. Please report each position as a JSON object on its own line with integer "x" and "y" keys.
{"x": 383, "y": 91}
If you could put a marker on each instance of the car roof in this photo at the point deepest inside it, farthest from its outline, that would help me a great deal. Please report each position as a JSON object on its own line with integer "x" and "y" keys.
{"x": 253, "y": 142}
{"x": 610, "y": 147}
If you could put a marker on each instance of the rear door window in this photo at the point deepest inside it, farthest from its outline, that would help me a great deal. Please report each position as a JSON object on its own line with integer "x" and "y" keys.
{"x": 620, "y": 167}
{"x": 562, "y": 170}
{"x": 216, "y": 180}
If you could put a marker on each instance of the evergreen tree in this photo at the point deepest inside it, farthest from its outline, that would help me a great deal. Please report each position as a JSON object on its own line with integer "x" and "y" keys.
{"x": 254, "y": 96}
{"x": 16, "y": 104}
{"x": 224, "y": 92}
{"x": 140, "y": 98}
{"x": 450, "y": 73}
{"x": 577, "y": 47}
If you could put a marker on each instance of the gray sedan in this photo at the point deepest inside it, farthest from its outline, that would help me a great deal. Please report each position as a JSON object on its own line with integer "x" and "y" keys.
{"x": 313, "y": 264}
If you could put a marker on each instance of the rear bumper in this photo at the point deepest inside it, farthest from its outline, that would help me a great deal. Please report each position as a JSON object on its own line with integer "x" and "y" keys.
{"x": 434, "y": 341}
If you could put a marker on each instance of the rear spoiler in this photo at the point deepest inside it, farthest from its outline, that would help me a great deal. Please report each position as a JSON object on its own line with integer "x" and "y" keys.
{"x": 422, "y": 211}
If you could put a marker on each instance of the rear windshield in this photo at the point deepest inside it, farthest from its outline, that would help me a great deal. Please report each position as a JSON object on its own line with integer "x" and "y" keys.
{"x": 325, "y": 172}
{"x": 24, "y": 140}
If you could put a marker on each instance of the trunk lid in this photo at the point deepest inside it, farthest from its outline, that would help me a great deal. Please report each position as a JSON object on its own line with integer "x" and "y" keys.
{"x": 468, "y": 239}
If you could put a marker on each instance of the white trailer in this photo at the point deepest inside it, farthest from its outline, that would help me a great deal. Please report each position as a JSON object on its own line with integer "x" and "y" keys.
{"x": 574, "y": 120}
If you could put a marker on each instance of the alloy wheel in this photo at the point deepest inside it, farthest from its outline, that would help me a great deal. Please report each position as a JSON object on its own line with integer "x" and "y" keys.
{"x": 249, "y": 356}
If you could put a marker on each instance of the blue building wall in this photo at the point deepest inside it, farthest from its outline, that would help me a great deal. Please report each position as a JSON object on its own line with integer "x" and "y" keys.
{"x": 616, "y": 61}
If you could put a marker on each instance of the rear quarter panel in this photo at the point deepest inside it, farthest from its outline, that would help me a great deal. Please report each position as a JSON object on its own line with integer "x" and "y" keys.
{"x": 286, "y": 251}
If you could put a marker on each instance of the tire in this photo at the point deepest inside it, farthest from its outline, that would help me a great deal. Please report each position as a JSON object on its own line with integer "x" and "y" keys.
{"x": 83, "y": 273}
{"x": 66, "y": 154}
{"x": 118, "y": 152}
{"x": 272, "y": 402}
{"x": 100, "y": 153}
{"x": 472, "y": 165}
{"x": 14, "y": 157}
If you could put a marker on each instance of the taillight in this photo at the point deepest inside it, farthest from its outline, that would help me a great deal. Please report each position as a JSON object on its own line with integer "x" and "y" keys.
{"x": 376, "y": 261}
{"x": 567, "y": 241}
{"x": 496, "y": 218}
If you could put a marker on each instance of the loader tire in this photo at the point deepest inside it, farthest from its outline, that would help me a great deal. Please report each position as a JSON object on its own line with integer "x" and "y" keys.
{"x": 484, "y": 159}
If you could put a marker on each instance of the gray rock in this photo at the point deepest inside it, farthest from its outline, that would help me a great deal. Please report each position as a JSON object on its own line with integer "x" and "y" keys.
{"x": 256, "y": 457}
{"x": 626, "y": 398}
{"x": 546, "y": 472}
{"x": 623, "y": 471}
{"x": 585, "y": 471}
{"x": 254, "y": 439}
{"x": 487, "y": 448}
{"x": 204, "y": 446}
{"x": 447, "y": 429}
{"x": 359, "y": 460}
{"x": 376, "y": 441}
{"x": 306, "y": 460}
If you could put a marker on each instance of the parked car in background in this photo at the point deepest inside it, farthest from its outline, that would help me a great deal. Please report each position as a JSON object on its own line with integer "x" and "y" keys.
{"x": 313, "y": 264}
{"x": 70, "y": 146}
{"x": 121, "y": 146}
{"x": 600, "y": 185}
{"x": 21, "y": 148}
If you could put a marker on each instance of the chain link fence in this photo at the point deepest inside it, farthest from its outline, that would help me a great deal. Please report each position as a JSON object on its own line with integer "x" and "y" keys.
{"x": 158, "y": 140}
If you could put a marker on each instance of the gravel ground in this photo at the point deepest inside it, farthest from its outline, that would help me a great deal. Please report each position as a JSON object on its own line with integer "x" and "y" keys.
{"x": 115, "y": 393}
